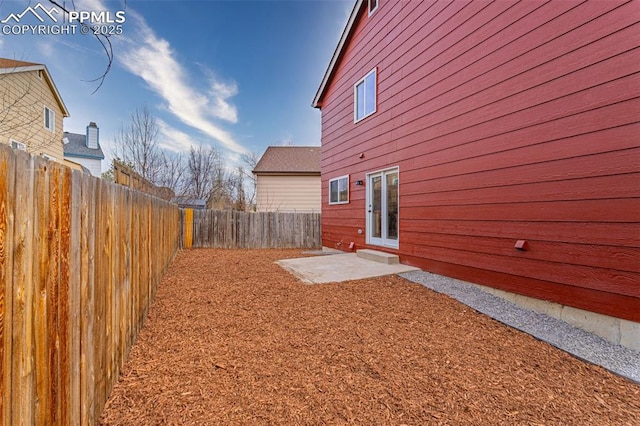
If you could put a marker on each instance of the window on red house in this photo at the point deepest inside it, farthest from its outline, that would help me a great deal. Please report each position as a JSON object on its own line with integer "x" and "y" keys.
{"x": 365, "y": 96}
{"x": 373, "y": 5}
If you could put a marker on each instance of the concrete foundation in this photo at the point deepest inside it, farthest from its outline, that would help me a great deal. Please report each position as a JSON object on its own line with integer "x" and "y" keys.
{"x": 615, "y": 330}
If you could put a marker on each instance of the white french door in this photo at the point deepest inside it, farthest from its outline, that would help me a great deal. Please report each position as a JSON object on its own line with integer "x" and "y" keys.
{"x": 382, "y": 208}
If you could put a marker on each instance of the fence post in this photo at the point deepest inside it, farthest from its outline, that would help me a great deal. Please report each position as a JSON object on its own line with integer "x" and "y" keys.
{"x": 188, "y": 228}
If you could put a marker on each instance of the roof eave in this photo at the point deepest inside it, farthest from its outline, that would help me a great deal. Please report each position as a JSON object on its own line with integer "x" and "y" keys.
{"x": 287, "y": 173}
{"x": 11, "y": 70}
{"x": 65, "y": 111}
{"x": 336, "y": 54}
{"x": 86, "y": 156}
{"x": 40, "y": 67}
{"x": 52, "y": 85}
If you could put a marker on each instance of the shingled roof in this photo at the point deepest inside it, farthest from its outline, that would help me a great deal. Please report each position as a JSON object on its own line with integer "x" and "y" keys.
{"x": 77, "y": 147}
{"x": 12, "y": 63}
{"x": 289, "y": 160}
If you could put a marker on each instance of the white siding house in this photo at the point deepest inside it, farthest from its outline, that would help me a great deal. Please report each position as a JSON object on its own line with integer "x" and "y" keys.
{"x": 85, "y": 149}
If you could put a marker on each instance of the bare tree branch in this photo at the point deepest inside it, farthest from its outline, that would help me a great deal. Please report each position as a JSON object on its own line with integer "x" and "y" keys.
{"x": 203, "y": 167}
{"x": 103, "y": 39}
{"x": 137, "y": 144}
{"x": 250, "y": 161}
{"x": 173, "y": 172}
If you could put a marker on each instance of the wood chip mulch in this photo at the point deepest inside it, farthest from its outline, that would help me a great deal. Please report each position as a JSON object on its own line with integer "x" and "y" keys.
{"x": 233, "y": 339}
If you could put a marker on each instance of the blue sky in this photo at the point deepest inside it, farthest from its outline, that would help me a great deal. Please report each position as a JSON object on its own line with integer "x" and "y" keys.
{"x": 239, "y": 75}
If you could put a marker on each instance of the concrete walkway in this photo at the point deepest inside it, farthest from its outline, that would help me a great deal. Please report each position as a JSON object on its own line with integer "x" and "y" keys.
{"x": 339, "y": 267}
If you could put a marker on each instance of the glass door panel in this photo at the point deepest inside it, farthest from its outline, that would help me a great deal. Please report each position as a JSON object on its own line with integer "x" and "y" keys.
{"x": 376, "y": 206}
{"x": 392, "y": 205}
{"x": 382, "y": 208}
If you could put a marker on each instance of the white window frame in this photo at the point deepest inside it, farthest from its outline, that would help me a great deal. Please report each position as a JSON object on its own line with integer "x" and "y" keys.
{"x": 51, "y": 115}
{"x": 363, "y": 80}
{"x": 383, "y": 240}
{"x": 17, "y": 145}
{"x": 48, "y": 157}
{"x": 344, "y": 178}
{"x": 372, "y": 11}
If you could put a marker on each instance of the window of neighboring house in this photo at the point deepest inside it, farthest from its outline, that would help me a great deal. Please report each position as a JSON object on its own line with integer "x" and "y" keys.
{"x": 18, "y": 145}
{"x": 40, "y": 74}
{"x": 48, "y": 157}
{"x": 339, "y": 190}
{"x": 364, "y": 93}
{"x": 373, "y": 6}
{"x": 49, "y": 119}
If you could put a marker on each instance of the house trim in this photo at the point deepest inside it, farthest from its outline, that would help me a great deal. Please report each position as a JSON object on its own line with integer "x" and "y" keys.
{"x": 21, "y": 146}
{"x": 47, "y": 75}
{"x": 49, "y": 115}
{"x": 386, "y": 243}
{"x": 338, "y": 179}
{"x": 337, "y": 53}
{"x": 363, "y": 80}
{"x": 90, "y": 157}
{"x": 287, "y": 173}
{"x": 372, "y": 11}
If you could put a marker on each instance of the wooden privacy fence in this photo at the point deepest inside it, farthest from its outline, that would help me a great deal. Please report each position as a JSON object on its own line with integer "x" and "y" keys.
{"x": 233, "y": 229}
{"x": 125, "y": 176}
{"x": 80, "y": 260}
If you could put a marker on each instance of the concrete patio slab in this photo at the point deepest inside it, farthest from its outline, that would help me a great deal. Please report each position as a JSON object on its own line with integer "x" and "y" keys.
{"x": 339, "y": 267}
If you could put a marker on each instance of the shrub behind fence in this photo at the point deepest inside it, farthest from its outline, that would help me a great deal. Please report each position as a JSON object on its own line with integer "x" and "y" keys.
{"x": 80, "y": 260}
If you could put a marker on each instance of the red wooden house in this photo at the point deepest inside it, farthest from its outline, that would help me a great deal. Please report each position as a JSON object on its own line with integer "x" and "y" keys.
{"x": 494, "y": 142}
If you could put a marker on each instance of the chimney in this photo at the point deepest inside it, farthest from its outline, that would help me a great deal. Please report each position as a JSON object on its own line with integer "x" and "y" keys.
{"x": 92, "y": 136}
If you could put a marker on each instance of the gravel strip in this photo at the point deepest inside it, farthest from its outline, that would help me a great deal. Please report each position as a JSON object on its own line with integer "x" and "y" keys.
{"x": 582, "y": 344}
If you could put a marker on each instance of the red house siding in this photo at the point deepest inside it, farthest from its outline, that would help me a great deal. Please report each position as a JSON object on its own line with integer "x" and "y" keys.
{"x": 508, "y": 121}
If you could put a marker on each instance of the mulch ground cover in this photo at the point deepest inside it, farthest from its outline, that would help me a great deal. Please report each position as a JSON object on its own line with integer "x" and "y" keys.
{"x": 233, "y": 339}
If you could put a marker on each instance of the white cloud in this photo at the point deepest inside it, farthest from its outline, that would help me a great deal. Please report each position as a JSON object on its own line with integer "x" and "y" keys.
{"x": 90, "y": 5}
{"x": 219, "y": 93}
{"x": 173, "y": 139}
{"x": 46, "y": 48}
{"x": 152, "y": 58}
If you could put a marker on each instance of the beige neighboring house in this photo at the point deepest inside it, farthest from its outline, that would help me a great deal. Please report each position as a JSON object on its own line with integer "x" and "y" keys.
{"x": 288, "y": 179}
{"x": 31, "y": 110}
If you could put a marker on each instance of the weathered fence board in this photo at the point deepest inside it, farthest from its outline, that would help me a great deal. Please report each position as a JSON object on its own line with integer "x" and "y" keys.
{"x": 7, "y": 208}
{"x": 22, "y": 381}
{"x": 233, "y": 229}
{"x": 80, "y": 261}
{"x": 73, "y": 407}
